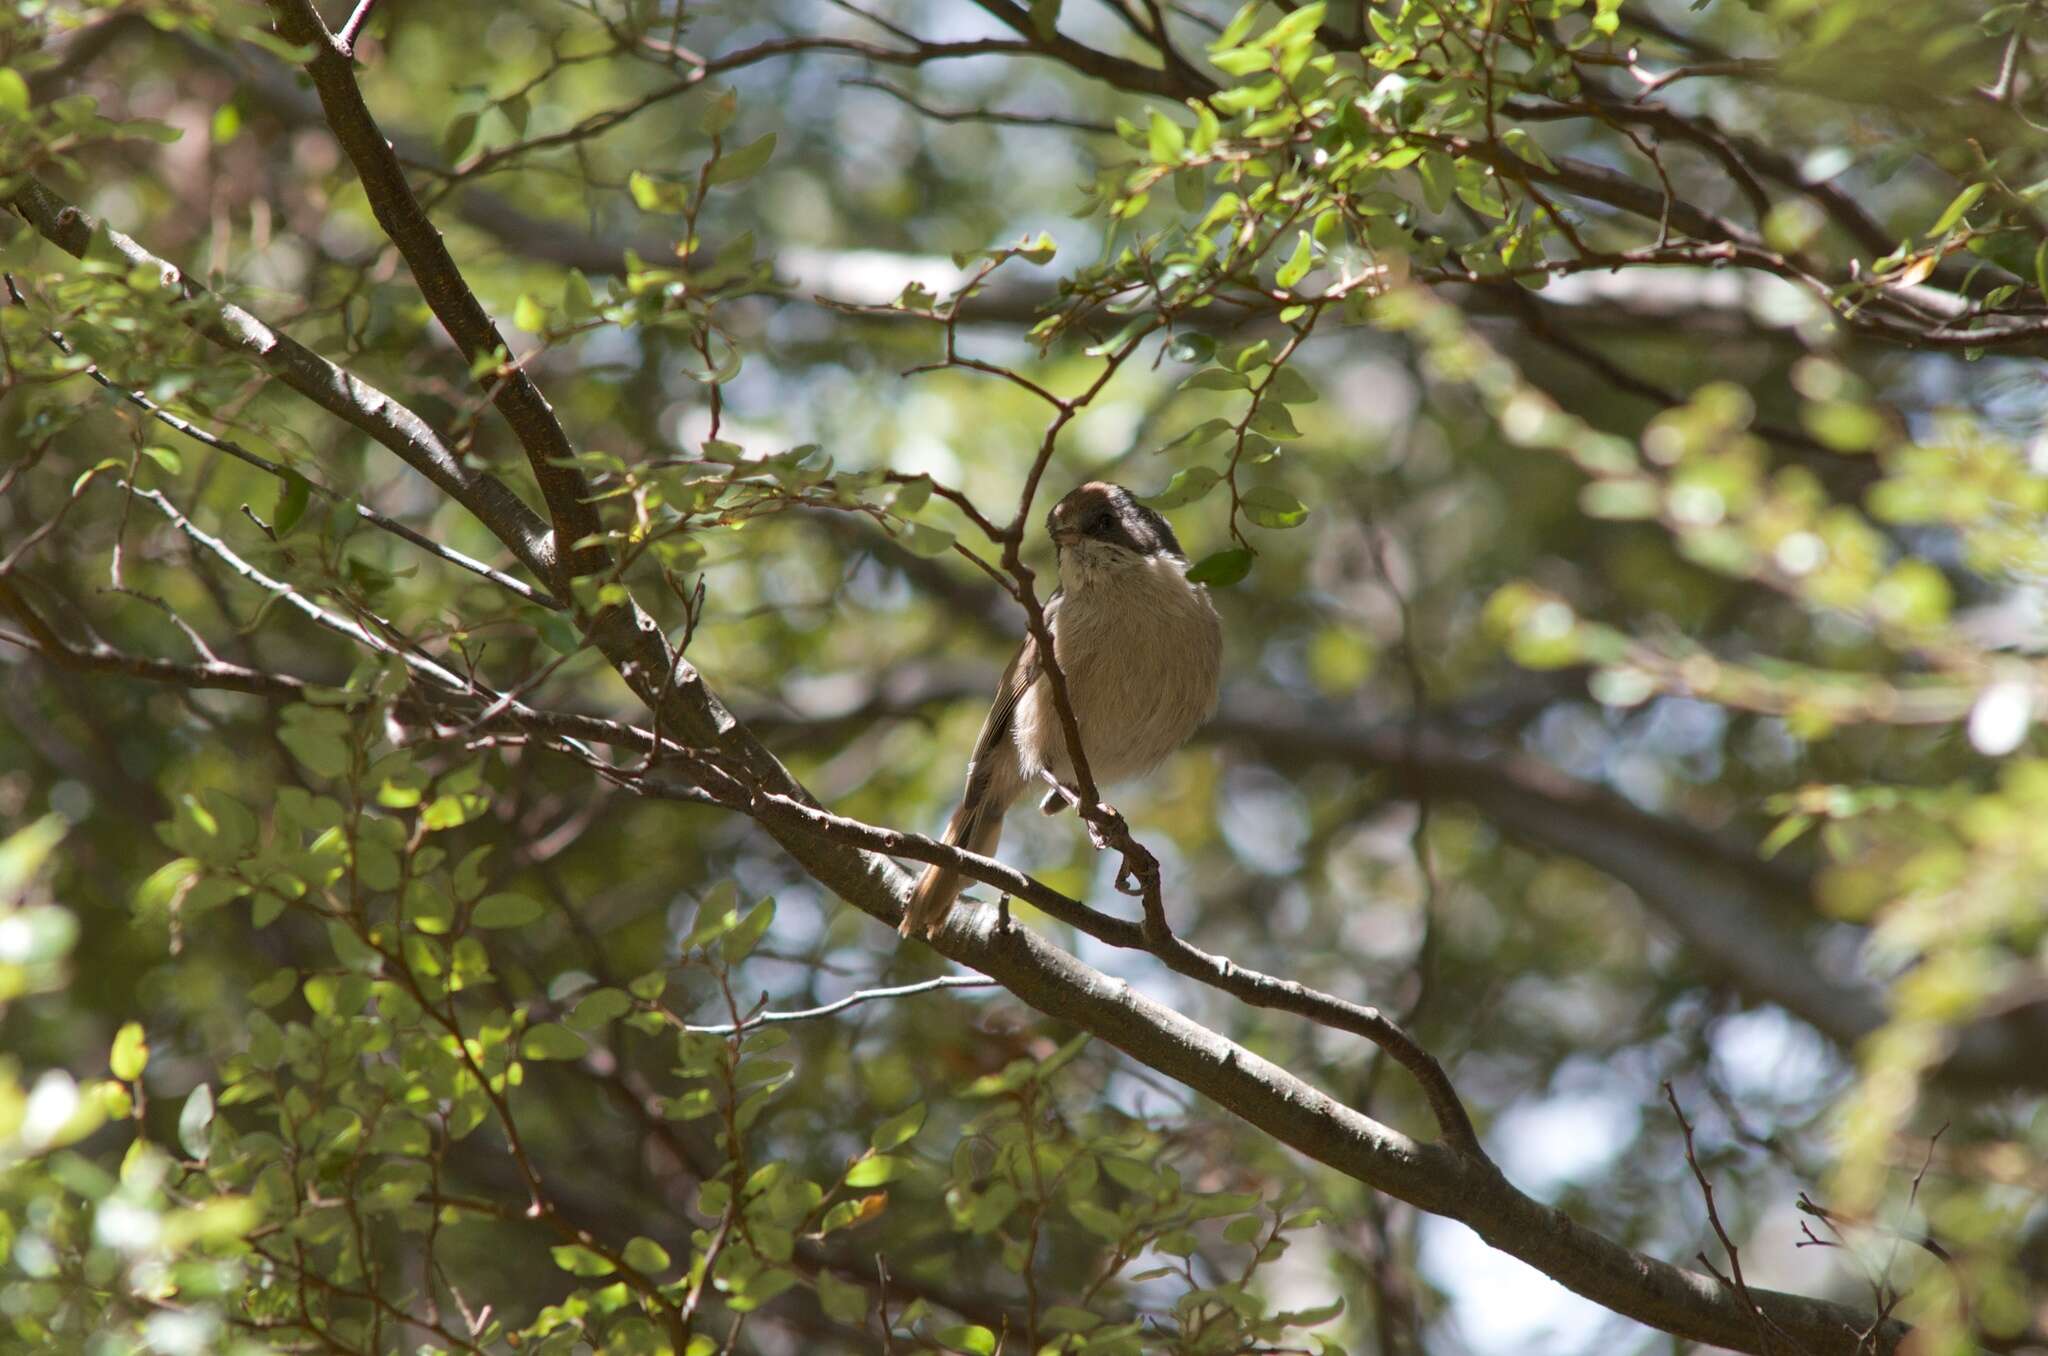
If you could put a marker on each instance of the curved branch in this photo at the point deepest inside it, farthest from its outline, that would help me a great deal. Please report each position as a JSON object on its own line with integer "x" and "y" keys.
{"x": 284, "y": 473}
{"x": 549, "y": 452}
{"x": 334, "y": 389}
{"x": 1435, "y": 1178}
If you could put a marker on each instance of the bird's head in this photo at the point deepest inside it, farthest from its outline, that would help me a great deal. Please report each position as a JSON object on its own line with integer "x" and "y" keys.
{"x": 1105, "y": 520}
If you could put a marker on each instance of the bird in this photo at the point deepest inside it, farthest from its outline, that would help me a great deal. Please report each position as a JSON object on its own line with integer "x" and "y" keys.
{"x": 1141, "y": 648}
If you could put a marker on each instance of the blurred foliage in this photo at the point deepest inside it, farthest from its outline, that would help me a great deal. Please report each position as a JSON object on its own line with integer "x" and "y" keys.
{"x": 1633, "y": 408}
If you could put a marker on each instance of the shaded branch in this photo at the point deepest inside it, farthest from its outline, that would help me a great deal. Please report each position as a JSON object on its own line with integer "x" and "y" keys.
{"x": 233, "y": 449}
{"x": 1434, "y": 1178}
{"x": 334, "y": 389}
{"x": 549, "y": 453}
{"x": 99, "y": 657}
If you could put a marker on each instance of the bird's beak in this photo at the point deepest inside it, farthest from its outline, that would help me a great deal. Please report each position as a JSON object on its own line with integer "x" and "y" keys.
{"x": 1065, "y": 536}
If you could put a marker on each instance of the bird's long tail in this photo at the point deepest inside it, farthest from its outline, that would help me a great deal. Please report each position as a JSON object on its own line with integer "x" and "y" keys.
{"x": 977, "y": 826}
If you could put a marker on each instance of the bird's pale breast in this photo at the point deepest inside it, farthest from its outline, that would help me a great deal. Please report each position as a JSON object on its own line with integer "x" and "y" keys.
{"x": 1140, "y": 648}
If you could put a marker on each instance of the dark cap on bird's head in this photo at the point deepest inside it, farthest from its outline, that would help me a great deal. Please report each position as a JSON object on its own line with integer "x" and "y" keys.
{"x": 1100, "y": 511}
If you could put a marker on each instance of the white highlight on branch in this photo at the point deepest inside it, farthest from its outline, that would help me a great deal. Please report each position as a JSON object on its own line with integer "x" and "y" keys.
{"x": 852, "y": 999}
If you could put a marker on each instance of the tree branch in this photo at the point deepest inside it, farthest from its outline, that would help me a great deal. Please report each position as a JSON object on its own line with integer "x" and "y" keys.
{"x": 549, "y": 453}
{"x": 1438, "y": 1179}
{"x": 334, "y": 389}
{"x": 386, "y": 523}
{"x": 97, "y": 657}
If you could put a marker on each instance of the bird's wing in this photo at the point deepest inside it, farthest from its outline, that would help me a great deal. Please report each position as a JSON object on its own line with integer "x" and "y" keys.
{"x": 1024, "y": 670}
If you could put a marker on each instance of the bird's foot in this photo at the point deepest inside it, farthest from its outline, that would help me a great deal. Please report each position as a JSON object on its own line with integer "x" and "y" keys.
{"x": 1106, "y": 828}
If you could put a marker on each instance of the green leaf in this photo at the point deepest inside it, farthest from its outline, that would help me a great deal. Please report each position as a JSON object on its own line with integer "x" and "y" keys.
{"x": 578, "y": 1260}
{"x": 644, "y": 1254}
{"x": 162, "y": 885}
{"x": 1248, "y": 98}
{"x": 551, "y": 1041}
{"x": 13, "y": 94}
{"x": 1097, "y": 1219}
{"x": 1222, "y": 569}
{"x": 719, "y": 111}
{"x": 1953, "y": 213}
{"x": 1062, "y": 1057}
{"x": 1215, "y": 379}
{"x": 717, "y": 915}
{"x": 450, "y": 812}
{"x": 460, "y": 133}
{"x": 969, "y": 1337}
{"x": 1187, "y": 485}
{"x": 1271, "y": 507}
{"x": 130, "y": 1054}
{"x": 654, "y": 195}
{"x": 292, "y": 498}
{"x": 1844, "y": 425}
{"x": 24, "y": 851}
{"x": 1165, "y": 142}
{"x": 528, "y": 314}
{"x": 922, "y": 539}
{"x": 1239, "y": 27}
{"x": 899, "y": 1129}
{"x": 578, "y": 301}
{"x": 1521, "y": 143}
{"x": 283, "y": 982}
{"x": 1289, "y": 387}
{"x": 505, "y": 911}
{"x": 166, "y": 458}
{"x": 1273, "y": 421}
{"x": 1206, "y": 431}
{"x": 1298, "y": 23}
{"x": 1243, "y": 61}
{"x": 1622, "y": 499}
{"x": 323, "y": 754}
{"x": 596, "y": 1009}
{"x": 195, "y": 1120}
{"x": 875, "y": 1171}
{"x": 1435, "y": 173}
{"x": 114, "y": 464}
{"x": 911, "y": 496}
{"x": 1298, "y": 264}
{"x": 746, "y": 161}
{"x": 842, "y": 1301}
{"x": 741, "y": 941}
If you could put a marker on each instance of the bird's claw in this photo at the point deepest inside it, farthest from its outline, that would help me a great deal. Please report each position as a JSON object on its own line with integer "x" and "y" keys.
{"x": 1098, "y": 820}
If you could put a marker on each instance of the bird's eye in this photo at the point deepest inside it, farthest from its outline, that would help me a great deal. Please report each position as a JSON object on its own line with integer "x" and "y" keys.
{"x": 1095, "y": 522}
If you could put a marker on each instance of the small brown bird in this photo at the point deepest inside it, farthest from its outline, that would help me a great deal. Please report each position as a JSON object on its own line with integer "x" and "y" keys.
{"x": 1140, "y": 647}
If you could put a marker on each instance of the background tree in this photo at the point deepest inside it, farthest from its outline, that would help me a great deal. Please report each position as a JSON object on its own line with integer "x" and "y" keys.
{"x": 511, "y": 515}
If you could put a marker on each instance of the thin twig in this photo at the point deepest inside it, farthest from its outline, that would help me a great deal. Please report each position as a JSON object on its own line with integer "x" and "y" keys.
{"x": 1735, "y": 1283}
{"x": 982, "y": 115}
{"x": 284, "y": 473}
{"x": 841, "y": 1005}
{"x": 346, "y": 38}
